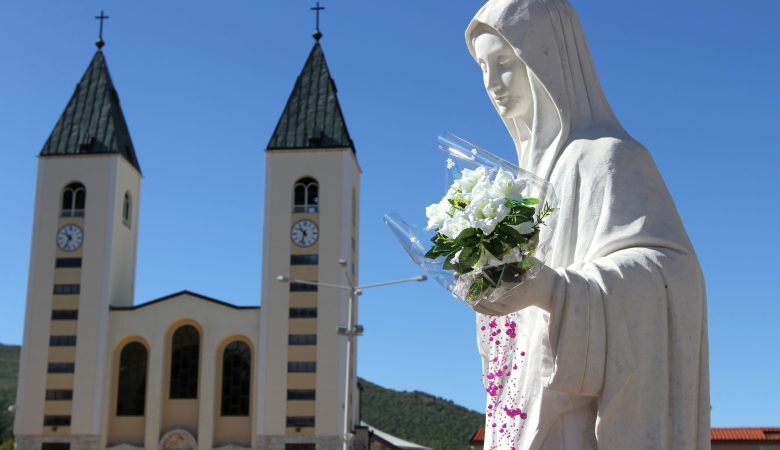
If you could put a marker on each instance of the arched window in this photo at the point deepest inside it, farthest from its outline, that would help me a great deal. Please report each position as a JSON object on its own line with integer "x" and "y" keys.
{"x": 236, "y": 379}
{"x": 306, "y": 195}
{"x": 74, "y": 197}
{"x": 131, "y": 393}
{"x": 185, "y": 353}
{"x": 127, "y": 210}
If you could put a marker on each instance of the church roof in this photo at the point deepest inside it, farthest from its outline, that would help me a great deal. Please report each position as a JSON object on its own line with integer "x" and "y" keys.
{"x": 92, "y": 121}
{"x": 393, "y": 441}
{"x": 178, "y": 295}
{"x": 312, "y": 117}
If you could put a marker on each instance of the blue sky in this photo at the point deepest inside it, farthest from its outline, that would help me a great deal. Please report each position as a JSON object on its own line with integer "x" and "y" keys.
{"x": 202, "y": 85}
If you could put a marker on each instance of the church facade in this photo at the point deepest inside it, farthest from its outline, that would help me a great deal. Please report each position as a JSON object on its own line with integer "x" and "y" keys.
{"x": 185, "y": 371}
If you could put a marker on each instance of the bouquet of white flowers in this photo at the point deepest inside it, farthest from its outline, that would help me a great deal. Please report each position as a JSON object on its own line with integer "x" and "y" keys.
{"x": 486, "y": 229}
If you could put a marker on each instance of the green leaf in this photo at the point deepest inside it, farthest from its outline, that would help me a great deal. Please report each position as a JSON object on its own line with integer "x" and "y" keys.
{"x": 527, "y": 263}
{"x": 469, "y": 256}
{"x": 477, "y": 287}
{"x": 511, "y": 204}
{"x": 465, "y": 234}
{"x": 530, "y": 201}
{"x": 495, "y": 247}
{"x": 511, "y": 236}
{"x": 448, "y": 262}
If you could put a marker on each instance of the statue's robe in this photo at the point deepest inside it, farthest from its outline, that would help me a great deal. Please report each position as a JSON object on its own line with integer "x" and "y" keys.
{"x": 616, "y": 358}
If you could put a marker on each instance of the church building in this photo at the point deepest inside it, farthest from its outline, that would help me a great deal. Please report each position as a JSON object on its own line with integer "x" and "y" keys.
{"x": 186, "y": 371}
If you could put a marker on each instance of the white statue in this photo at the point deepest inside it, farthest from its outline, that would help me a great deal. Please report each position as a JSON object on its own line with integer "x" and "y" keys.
{"x": 607, "y": 347}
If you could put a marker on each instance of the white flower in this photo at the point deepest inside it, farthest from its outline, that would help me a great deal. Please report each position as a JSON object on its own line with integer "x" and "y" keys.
{"x": 505, "y": 185}
{"x": 469, "y": 178}
{"x": 525, "y": 228}
{"x": 437, "y": 213}
{"x": 453, "y": 226}
{"x": 450, "y": 163}
{"x": 481, "y": 189}
{"x": 485, "y": 212}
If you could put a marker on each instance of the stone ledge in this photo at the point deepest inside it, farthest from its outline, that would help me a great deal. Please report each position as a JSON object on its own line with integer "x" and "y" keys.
{"x": 277, "y": 442}
{"x": 77, "y": 442}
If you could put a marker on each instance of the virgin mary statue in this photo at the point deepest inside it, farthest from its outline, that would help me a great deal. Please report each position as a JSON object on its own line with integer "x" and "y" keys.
{"x": 606, "y": 348}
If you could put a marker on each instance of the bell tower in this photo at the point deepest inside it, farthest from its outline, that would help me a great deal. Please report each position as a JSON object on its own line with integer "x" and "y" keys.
{"x": 82, "y": 262}
{"x": 312, "y": 187}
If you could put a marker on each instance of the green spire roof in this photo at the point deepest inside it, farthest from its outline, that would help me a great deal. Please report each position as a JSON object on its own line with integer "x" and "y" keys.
{"x": 93, "y": 121}
{"x": 312, "y": 117}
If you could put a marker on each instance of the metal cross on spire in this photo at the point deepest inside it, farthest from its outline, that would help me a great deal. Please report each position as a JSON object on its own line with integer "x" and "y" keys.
{"x": 317, "y": 34}
{"x": 100, "y": 42}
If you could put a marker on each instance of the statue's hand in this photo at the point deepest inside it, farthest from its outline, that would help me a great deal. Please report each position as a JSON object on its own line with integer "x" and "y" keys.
{"x": 533, "y": 291}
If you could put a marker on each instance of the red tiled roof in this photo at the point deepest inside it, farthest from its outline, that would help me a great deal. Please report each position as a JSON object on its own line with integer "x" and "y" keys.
{"x": 716, "y": 434}
{"x": 745, "y": 434}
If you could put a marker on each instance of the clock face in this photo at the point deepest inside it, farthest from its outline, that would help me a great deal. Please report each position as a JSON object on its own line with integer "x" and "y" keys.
{"x": 70, "y": 237}
{"x": 304, "y": 233}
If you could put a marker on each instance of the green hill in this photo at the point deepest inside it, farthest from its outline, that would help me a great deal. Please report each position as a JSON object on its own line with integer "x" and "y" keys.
{"x": 419, "y": 417}
{"x": 9, "y": 369}
{"x": 415, "y": 416}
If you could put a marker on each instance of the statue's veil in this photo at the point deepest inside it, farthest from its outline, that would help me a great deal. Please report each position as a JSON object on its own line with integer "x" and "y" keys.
{"x": 569, "y": 102}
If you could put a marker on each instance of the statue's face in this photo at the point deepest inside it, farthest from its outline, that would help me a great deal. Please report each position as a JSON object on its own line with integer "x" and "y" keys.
{"x": 505, "y": 76}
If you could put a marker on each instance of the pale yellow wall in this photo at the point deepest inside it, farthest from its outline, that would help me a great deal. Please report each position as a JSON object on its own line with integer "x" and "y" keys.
{"x": 303, "y": 326}
{"x": 62, "y": 328}
{"x": 304, "y": 272}
{"x": 300, "y": 407}
{"x": 62, "y": 354}
{"x": 67, "y": 276}
{"x": 59, "y": 381}
{"x": 65, "y": 301}
{"x": 300, "y": 381}
{"x": 303, "y": 300}
{"x": 336, "y": 171}
{"x": 57, "y": 408}
{"x": 235, "y": 430}
{"x": 302, "y": 353}
{"x": 232, "y": 430}
{"x": 126, "y": 429}
{"x": 155, "y": 324}
{"x": 180, "y": 413}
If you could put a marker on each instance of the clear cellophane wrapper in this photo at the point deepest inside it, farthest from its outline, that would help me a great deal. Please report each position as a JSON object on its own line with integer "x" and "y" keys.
{"x": 485, "y": 259}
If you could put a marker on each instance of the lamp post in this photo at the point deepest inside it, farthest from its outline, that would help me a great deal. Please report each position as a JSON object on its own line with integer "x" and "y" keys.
{"x": 351, "y": 331}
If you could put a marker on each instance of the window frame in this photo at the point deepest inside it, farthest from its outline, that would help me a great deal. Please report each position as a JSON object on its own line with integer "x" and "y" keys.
{"x": 61, "y": 367}
{"x": 69, "y": 207}
{"x": 302, "y": 394}
{"x": 131, "y": 380}
{"x": 304, "y": 260}
{"x": 300, "y": 422}
{"x": 127, "y": 210}
{"x": 302, "y": 287}
{"x": 236, "y": 389}
{"x": 62, "y": 341}
{"x": 303, "y": 313}
{"x": 302, "y": 339}
{"x": 175, "y": 389}
{"x": 65, "y": 314}
{"x": 67, "y": 289}
{"x": 301, "y": 367}
{"x": 67, "y": 263}
{"x": 59, "y": 394}
{"x": 311, "y": 195}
